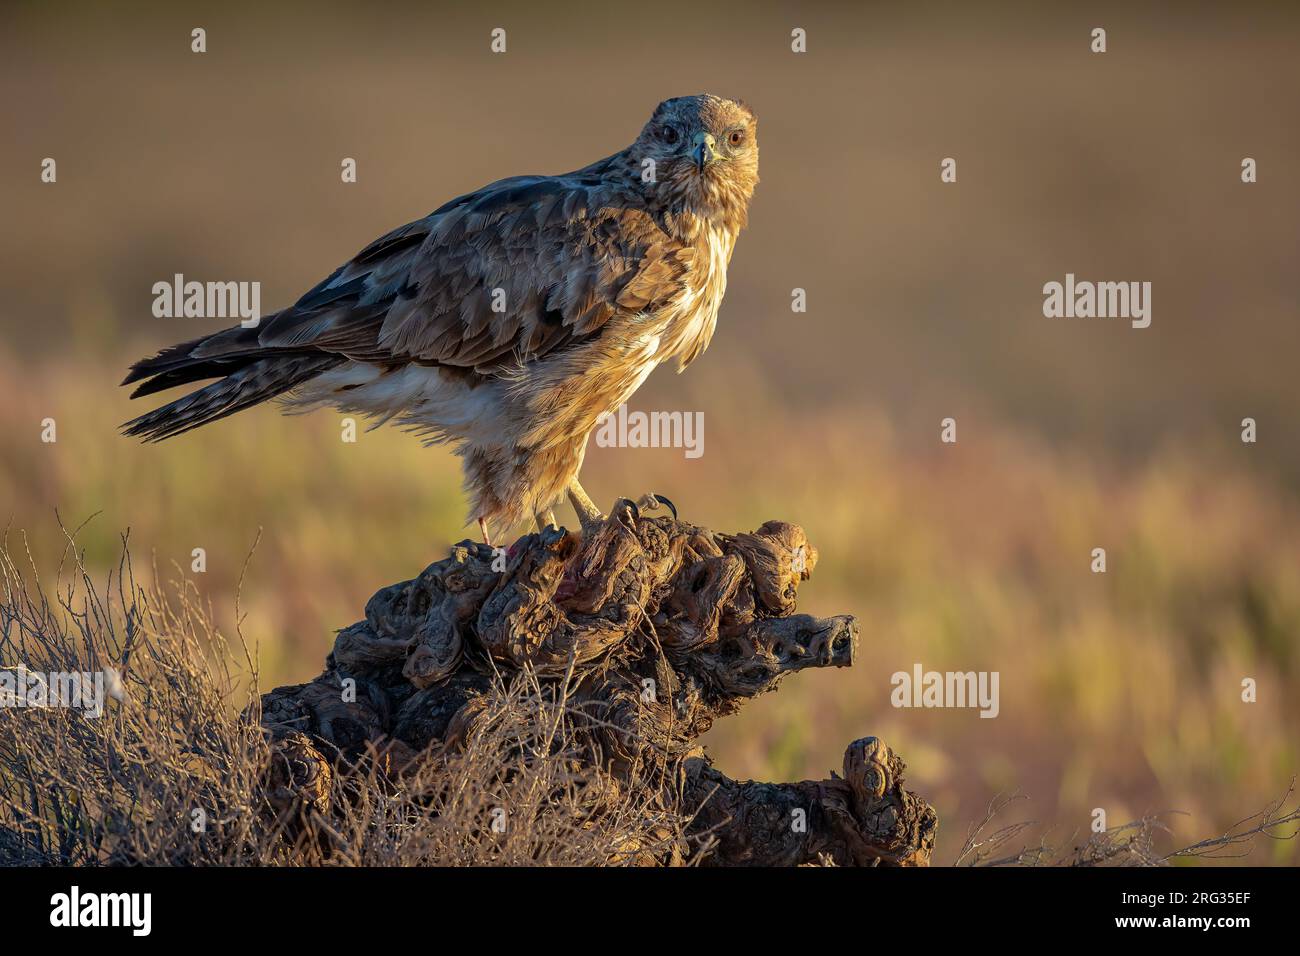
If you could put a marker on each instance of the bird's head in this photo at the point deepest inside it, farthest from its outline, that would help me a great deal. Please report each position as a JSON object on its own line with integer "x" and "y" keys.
{"x": 698, "y": 156}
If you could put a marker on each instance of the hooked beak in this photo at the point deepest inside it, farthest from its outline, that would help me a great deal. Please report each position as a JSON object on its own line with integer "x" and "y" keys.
{"x": 703, "y": 150}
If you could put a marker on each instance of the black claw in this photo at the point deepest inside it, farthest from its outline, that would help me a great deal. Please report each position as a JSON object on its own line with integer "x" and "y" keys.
{"x": 671, "y": 507}
{"x": 636, "y": 512}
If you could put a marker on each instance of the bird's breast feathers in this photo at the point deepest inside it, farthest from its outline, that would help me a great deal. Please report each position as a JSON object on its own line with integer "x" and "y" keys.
{"x": 690, "y": 320}
{"x": 566, "y": 394}
{"x": 683, "y": 326}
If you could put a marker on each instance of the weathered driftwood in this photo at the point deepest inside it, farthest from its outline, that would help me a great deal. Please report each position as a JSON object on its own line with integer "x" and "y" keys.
{"x": 660, "y": 628}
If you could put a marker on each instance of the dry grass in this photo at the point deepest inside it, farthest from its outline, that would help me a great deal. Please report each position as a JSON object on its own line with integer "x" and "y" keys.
{"x": 181, "y": 746}
{"x": 522, "y": 792}
{"x": 993, "y": 842}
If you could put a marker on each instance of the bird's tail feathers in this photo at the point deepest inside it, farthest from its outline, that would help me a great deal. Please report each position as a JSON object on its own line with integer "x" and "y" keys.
{"x": 250, "y": 383}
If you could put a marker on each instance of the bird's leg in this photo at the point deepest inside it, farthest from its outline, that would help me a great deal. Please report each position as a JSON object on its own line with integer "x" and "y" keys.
{"x": 588, "y": 514}
{"x": 482, "y": 526}
{"x": 545, "y": 519}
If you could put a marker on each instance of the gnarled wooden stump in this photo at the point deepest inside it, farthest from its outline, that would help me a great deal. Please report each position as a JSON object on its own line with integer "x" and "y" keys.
{"x": 660, "y": 628}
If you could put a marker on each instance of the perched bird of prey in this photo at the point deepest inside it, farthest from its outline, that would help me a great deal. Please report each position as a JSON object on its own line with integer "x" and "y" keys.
{"x": 507, "y": 321}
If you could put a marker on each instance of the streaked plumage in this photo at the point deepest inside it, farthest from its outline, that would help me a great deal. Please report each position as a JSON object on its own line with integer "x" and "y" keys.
{"x": 602, "y": 274}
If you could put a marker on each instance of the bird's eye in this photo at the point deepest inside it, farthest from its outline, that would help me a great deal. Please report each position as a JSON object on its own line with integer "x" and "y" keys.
{"x": 670, "y": 135}
{"x": 737, "y": 137}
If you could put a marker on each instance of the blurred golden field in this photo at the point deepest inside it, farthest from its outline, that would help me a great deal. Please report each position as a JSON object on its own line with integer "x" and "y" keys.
{"x": 1119, "y": 690}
